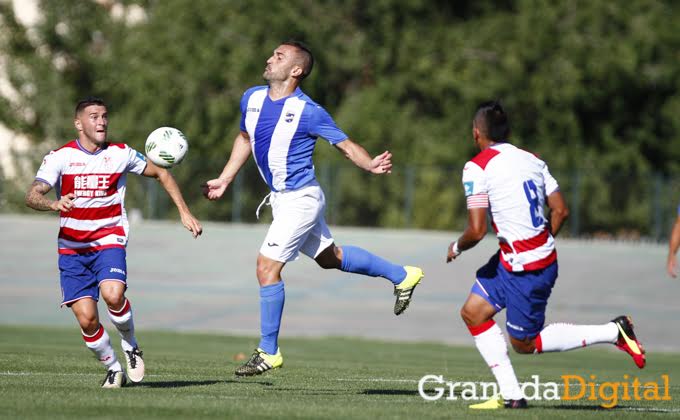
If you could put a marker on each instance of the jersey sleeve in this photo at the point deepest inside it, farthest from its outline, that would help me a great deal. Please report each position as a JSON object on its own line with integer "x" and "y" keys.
{"x": 322, "y": 124}
{"x": 244, "y": 107}
{"x": 136, "y": 161}
{"x": 50, "y": 170}
{"x": 474, "y": 183}
{"x": 550, "y": 182}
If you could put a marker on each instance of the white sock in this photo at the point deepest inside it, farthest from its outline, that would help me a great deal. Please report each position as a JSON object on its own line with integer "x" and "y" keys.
{"x": 100, "y": 345}
{"x": 122, "y": 320}
{"x": 491, "y": 343}
{"x": 563, "y": 337}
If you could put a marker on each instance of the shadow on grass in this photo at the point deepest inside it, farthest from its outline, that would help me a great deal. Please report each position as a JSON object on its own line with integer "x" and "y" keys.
{"x": 578, "y": 407}
{"x": 389, "y": 392}
{"x": 183, "y": 384}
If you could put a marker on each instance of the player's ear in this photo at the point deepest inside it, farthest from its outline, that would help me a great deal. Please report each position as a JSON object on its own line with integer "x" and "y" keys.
{"x": 296, "y": 71}
{"x": 77, "y": 124}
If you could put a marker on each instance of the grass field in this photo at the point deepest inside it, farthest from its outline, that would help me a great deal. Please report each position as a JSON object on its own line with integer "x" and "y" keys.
{"x": 48, "y": 373}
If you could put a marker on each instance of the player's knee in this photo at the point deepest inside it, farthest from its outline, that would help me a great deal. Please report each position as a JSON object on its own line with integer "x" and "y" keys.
{"x": 114, "y": 300}
{"x": 330, "y": 258}
{"x": 266, "y": 275}
{"x": 329, "y": 262}
{"x": 467, "y": 315}
{"x": 89, "y": 324}
{"x": 523, "y": 347}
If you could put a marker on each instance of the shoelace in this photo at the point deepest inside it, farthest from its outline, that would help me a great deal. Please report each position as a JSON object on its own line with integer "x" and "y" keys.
{"x": 133, "y": 357}
{"x": 255, "y": 360}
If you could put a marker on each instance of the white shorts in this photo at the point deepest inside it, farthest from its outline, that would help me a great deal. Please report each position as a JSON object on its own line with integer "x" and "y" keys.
{"x": 298, "y": 225}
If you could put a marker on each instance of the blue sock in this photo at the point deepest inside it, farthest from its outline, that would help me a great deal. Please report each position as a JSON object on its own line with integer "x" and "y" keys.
{"x": 272, "y": 298}
{"x": 358, "y": 260}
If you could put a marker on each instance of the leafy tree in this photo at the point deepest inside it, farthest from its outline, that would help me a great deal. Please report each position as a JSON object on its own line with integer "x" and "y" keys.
{"x": 592, "y": 87}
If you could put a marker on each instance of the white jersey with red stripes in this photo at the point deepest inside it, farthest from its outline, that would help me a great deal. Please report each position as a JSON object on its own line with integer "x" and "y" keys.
{"x": 98, "y": 220}
{"x": 513, "y": 184}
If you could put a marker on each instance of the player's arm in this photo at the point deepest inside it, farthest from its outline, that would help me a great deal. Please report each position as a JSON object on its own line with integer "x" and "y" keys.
{"x": 381, "y": 164}
{"x": 240, "y": 151}
{"x": 473, "y": 233}
{"x": 170, "y": 185}
{"x": 35, "y": 198}
{"x": 673, "y": 245}
{"x": 558, "y": 212}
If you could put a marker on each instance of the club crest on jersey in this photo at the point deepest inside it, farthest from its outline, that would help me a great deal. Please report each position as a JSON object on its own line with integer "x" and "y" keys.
{"x": 107, "y": 163}
{"x": 468, "y": 187}
{"x": 289, "y": 117}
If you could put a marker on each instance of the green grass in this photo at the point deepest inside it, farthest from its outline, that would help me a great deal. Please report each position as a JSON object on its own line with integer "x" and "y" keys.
{"x": 48, "y": 373}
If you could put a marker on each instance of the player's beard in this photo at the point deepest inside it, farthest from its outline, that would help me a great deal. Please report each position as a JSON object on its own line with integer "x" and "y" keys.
{"x": 274, "y": 76}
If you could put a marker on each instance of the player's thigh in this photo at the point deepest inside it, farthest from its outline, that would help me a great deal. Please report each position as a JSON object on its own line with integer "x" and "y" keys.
{"x": 76, "y": 278}
{"x": 527, "y": 300}
{"x": 110, "y": 268}
{"x": 295, "y": 216}
{"x": 489, "y": 284}
{"x": 319, "y": 240}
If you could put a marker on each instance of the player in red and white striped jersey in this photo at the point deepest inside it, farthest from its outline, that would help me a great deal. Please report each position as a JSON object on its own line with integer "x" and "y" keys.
{"x": 513, "y": 186}
{"x": 88, "y": 175}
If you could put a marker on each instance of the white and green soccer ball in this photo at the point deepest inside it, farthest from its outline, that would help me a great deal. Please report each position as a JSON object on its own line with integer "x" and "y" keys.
{"x": 166, "y": 147}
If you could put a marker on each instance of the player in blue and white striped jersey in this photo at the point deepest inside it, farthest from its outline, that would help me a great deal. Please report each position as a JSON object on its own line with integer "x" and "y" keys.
{"x": 280, "y": 126}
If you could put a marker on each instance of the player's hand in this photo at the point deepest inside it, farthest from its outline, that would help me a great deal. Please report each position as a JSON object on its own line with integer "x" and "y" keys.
{"x": 382, "y": 164}
{"x": 452, "y": 253}
{"x": 65, "y": 203}
{"x": 672, "y": 266}
{"x": 214, "y": 189}
{"x": 192, "y": 224}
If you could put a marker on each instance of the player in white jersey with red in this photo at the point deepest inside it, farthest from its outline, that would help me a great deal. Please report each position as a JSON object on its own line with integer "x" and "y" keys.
{"x": 513, "y": 186}
{"x": 89, "y": 175}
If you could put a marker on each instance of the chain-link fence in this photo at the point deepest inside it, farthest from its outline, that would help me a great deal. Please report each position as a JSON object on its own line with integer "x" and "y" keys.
{"x": 603, "y": 205}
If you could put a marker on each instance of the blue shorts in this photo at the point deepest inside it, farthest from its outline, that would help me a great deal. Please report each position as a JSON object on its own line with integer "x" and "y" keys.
{"x": 524, "y": 294}
{"x": 82, "y": 273}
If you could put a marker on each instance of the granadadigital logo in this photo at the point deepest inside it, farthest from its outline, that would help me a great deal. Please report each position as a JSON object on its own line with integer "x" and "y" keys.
{"x": 572, "y": 388}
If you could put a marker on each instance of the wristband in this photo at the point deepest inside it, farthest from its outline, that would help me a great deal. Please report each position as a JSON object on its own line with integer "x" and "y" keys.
{"x": 454, "y": 248}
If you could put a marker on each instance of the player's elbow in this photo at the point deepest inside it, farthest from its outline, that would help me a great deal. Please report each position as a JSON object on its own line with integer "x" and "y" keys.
{"x": 477, "y": 233}
{"x": 162, "y": 175}
{"x": 560, "y": 212}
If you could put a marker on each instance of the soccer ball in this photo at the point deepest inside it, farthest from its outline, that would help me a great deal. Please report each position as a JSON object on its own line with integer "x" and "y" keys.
{"x": 166, "y": 147}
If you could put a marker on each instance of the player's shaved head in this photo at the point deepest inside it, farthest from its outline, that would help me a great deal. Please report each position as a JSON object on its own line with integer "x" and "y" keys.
{"x": 90, "y": 100}
{"x": 492, "y": 121}
{"x": 304, "y": 55}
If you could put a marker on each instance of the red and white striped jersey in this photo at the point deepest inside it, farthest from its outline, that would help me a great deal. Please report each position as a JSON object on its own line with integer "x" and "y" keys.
{"x": 513, "y": 184}
{"x": 98, "y": 219}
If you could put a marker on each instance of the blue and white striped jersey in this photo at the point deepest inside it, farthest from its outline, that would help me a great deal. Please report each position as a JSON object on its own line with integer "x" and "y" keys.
{"x": 283, "y": 134}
